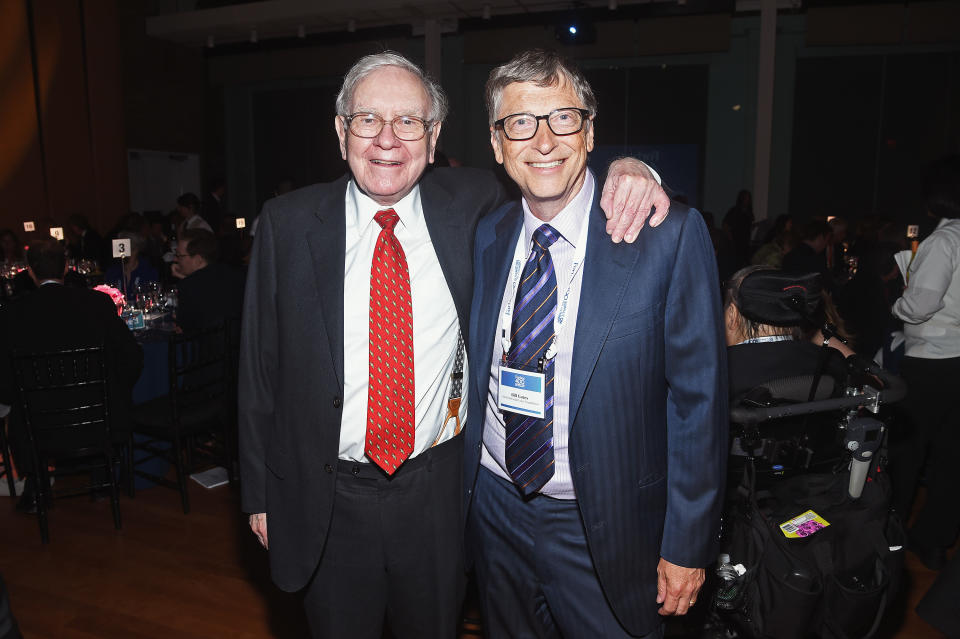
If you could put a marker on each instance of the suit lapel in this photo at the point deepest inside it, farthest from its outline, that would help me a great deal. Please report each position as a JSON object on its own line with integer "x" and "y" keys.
{"x": 327, "y": 242}
{"x": 607, "y": 269}
{"x": 495, "y": 266}
{"x": 447, "y": 229}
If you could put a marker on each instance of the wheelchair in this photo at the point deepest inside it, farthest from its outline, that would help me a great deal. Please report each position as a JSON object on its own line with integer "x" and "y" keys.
{"x": 809, "y": 547}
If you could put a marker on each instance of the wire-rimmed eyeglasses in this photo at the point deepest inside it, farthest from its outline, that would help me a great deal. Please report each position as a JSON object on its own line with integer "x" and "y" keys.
{"x": 406, "y": 127}
{"x": 523, "y": 126}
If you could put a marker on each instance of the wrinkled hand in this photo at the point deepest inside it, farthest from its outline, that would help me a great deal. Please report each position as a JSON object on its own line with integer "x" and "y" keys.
{"x": 677, "y": 587}
{"x": 258, "y": 524}
{"x": 628, "y": 195}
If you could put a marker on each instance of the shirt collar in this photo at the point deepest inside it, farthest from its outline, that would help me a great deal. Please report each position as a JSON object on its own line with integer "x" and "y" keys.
{"x": 568, "y": 222}
{"x": 362, "y": 208}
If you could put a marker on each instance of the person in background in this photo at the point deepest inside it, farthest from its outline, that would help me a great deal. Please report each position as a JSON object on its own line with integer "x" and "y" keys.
{"x": 129, "y": 273}
{"x": 188, "y": 206}
{"x": 209, "y": 293}
{"x": 56, "y": 316}
{"x": 768, "y": 337}
{"x": 809, "y": 254}
{"x": 930, "y": 310}
{"x": 214, "y": 208}
{"x": 10, "y": 246}
{"x": 739, "y": 223}
{"x": 837, "y": 249}
{"x": 83, "y": 242}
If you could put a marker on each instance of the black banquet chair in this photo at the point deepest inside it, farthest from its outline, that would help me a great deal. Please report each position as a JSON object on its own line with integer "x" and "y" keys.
{"x": 65, "y": 402}
{"x": 188, "y": 426}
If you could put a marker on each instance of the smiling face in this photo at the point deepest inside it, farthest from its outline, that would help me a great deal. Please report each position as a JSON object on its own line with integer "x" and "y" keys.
{"x": 548, "y": 168}
{"x": 385, "y": 167}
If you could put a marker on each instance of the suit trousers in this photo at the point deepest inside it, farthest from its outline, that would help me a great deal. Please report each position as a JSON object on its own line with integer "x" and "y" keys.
{"x": 534, "y": 571}
{"x": 394, "y": 552}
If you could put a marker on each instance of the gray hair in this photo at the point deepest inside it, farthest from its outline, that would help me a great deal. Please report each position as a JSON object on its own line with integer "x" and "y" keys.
{"x": 135, "y": 239}
{"x": 370, "y": 63}
{"x": 543, "y": 68}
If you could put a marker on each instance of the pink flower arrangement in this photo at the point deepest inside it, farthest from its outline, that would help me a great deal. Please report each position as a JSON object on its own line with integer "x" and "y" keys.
{"x": 115, "y": 295}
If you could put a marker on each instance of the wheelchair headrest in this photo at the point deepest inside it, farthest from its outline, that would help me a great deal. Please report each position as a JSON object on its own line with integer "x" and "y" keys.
{"x": 780, "y": 298}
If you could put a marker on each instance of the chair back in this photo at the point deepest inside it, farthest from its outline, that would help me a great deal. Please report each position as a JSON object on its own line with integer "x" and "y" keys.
{"x": 64, "y": 394}
{"x": 198, "y": 363}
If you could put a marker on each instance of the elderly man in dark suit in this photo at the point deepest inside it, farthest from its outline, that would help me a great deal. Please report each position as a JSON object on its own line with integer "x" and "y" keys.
{"x": 56, "y": 316}
{"x": 596, "y": 443}
{"x": 355, "y": 316}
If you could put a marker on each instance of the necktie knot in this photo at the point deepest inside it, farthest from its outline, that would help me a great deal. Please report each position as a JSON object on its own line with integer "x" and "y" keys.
{"x": 544, "y": 237}
{"x": 387, "y": 219}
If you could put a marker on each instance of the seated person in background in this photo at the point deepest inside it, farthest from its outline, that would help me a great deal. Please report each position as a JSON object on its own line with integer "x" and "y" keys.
{"x": 765, "y": 313}
{"x": 11, "y": 247}
{"x": 84, "y": 242}
{"x": 55, "y": 317}
{"x": 210, "y": 293}
{"x": 134, "y": 270}
{"x": 188, "y": 206}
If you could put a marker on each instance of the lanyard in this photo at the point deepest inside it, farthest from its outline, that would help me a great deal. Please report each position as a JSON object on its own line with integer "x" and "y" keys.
{"x": 520, "y": 257}
{"x": 768, "y": 338}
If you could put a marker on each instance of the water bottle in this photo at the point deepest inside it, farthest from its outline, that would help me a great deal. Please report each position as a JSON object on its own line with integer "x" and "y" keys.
{"x": 729, "y": 591}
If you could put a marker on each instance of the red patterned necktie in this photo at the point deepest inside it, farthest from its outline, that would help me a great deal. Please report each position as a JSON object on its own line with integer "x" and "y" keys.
{"x": 390, "y": 399}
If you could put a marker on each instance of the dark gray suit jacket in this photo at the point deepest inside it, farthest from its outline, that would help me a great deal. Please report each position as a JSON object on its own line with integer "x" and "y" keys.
{"x": 291, "y": 352}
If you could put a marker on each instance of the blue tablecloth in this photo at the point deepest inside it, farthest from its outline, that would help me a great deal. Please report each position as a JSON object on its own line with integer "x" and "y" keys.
{"x": 154, "y": 382}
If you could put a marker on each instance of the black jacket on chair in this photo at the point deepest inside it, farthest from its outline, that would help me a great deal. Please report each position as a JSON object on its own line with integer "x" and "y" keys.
{"x": 56, "y": 317}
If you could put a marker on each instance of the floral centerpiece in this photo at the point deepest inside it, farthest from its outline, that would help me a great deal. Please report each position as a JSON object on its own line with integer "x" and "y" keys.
{"x": 115, "y": 295}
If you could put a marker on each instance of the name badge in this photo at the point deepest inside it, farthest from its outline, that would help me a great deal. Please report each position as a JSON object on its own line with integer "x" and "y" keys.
{"x": 521, "y": 392}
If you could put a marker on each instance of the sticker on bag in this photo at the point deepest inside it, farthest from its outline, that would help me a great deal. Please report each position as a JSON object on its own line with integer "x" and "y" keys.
{"x": 803, "y": 525}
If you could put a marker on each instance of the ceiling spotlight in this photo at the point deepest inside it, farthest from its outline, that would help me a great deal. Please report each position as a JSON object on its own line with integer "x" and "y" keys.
{"x": 210, "y": 42}
{"x": 301, "y": 32}
{"x": 486, "y": 12}
{"x": 253, "y": 36}
{"x": 351, "y": 25}
{"x": 576, "y": 28}
{"x": 612, "y": 5}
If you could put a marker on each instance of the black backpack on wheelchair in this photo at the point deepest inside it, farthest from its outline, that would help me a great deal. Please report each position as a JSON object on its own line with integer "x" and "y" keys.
{"x": 810, "y": 547}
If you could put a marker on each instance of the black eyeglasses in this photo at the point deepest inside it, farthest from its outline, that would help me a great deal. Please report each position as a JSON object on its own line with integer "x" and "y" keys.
{"x": 523, "y": 126}
{"x": 406, "y": 127}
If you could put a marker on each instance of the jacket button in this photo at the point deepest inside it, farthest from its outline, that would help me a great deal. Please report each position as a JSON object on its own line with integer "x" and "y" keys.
{"x": 328, "y": 468}
{"x": 337, "y": 402}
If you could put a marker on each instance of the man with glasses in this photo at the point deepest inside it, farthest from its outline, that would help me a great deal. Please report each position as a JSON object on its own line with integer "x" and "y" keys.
{"x": 596, "y": 441}
{"x": 355, "y": 316}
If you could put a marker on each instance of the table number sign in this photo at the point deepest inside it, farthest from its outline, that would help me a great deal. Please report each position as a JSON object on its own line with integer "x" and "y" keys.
{"x": 56, "y": 232}
{"x": 28, "y": 227}
{"x": 121, "y": 248}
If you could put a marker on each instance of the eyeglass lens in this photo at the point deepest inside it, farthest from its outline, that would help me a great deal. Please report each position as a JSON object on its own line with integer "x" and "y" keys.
{"x": 523, "y": 126}
{"x": 369, "y": 125}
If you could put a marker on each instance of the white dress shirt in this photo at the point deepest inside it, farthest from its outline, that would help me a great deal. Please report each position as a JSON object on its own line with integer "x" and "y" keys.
{"x": 568, "y": 224}
{"x": 930, "y": 305}
{"x": 435, "y": 323}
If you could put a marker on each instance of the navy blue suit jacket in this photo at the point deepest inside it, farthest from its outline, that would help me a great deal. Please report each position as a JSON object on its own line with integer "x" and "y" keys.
{"x": 648, "y": 407}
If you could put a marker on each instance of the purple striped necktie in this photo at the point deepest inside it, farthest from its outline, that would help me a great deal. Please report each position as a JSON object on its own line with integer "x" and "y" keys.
{"x": 529, "y": 444}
